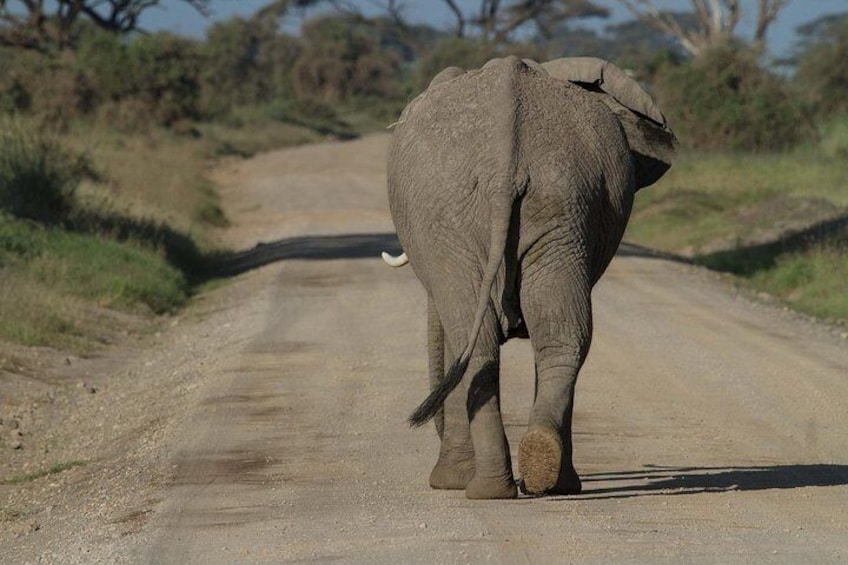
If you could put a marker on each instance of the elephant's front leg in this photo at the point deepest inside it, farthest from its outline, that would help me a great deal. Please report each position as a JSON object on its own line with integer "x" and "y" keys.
{"x": 455, "y": 467}
{"x": 557, "y": 307}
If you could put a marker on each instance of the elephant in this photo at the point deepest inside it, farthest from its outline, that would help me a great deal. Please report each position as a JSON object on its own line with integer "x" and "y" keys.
{"x": 510, "y": 187}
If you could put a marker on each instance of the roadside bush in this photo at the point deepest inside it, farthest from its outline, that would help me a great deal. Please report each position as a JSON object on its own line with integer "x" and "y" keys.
{"x": 314, "y": 115}
{"x": 165, "y": 76}
{"x": 725, "y": 100}
{"x": 245, "y": 62}
{"x": 821, "y": 76}
{"x": 43, "y": 86}
{"x": 105, "y": 61}
{"x": 343, "y": 59}
{"x": 834, "y": 136}
{"x": 469, "y": 54}
{"x": 453, "y": 52}
{"x": 37, "y": 176}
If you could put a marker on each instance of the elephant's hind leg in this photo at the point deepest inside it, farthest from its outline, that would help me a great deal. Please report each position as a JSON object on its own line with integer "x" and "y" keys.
{"x": 455, "y": 467}
{"x": 477, "y": 398}
{"x": 557, "y": 307}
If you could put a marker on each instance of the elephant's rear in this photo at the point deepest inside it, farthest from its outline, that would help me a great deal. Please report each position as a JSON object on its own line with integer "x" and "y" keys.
{"x": 504, "y": 133}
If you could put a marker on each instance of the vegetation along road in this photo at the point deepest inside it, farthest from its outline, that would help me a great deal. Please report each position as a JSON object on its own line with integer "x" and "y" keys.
{"x": 267, "y": 424}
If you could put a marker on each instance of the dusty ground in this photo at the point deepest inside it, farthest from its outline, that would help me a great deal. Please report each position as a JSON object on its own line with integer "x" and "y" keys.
{"x": 266, "y": 424}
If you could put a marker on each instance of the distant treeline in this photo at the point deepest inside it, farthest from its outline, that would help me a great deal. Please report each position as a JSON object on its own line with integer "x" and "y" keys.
{"x": 725, "y": 98}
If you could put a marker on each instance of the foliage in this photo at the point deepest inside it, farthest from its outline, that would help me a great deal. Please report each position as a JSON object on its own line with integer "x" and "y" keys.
{"x": 777, "y": 221}
{"x": 109, "y": 272}
{"x": 343, "y": 59}
{"x": 497, "y": 22}
{"x": 37, "y": 176}
{"x": 52, "y": 470}
{"x": 725, "y": 100}
{"x": 164, "y": 71}
{"x": 152, "y": 79}
{"x": 469, "y": 54}
{"x": 34, "y": 25}
{"x": 709, "y": 25}
{"x": 245, "y": 62}
{"x": 454, "y": 52}
{"x": 41, "y": 85}
{"x": 822, "y": 65}
{"x": 813, "y": 281}
{"x": 834, "y": 137}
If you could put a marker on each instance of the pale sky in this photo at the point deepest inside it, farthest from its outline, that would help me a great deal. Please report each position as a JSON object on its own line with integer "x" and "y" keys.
{"x": 178, "y": 17}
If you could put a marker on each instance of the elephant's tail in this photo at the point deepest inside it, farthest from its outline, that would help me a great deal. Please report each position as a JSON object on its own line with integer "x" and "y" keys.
{"x": 501, "y": 215}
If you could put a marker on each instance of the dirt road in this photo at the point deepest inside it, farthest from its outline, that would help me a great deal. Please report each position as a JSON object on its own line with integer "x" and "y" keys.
{"x": 709, "y": 428}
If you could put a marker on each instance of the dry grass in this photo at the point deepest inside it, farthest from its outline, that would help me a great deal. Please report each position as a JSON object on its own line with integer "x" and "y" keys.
{"x": 718, "y": 208}
{"x": 708, "y": 198}
{"x": 156, "y": 176}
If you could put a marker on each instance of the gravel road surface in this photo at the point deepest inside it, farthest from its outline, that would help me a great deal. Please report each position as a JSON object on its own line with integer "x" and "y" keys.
{"x": 709, "y": 427}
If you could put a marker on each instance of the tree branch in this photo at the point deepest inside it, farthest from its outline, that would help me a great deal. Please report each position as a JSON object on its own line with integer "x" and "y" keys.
{"x": 460, "y": 18}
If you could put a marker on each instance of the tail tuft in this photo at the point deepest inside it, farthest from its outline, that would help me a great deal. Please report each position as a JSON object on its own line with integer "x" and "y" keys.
{"x": 437, "y": 398}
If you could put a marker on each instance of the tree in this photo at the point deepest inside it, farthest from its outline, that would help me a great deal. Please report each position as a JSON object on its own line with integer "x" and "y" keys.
{"x": 496, "y": 21}
{"x": 38, "y": 24}
{"x": 344, "y": 57}
{"x": 630, "y": 44}
{"x": 716, "y": 22}
{"x": 725, "y": 100}
{"x": 822, "y": 64}
{"x": 245, "y": 61}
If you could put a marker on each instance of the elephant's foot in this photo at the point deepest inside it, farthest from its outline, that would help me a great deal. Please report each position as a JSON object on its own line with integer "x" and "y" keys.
{"x": 484, "y": 488}
{"x": 452, "y": 476}
{"x": 541, "y": 466}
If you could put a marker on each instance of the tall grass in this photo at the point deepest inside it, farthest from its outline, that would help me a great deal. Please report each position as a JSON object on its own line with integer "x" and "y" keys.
{"x": 72, "y": 244}
{"x": 155, "y": 176}
{"x": 710, "y": 197}
{"x": 51, "y": 280}
{"x": 38, "y": 177}
{"x": 737, "y": 213}
{"x": 815, "y": 282}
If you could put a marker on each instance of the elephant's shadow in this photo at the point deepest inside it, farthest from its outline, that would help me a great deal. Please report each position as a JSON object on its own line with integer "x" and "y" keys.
{"x": 314, "y": 247}
{"x": 657, "y": 480}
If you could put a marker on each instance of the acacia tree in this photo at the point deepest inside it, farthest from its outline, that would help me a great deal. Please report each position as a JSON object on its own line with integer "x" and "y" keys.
{"x": 496, "y": 20}
{"x": 716, "y": 22}
{"x": 37, "y": 24}
{"x": 822, "y": 64}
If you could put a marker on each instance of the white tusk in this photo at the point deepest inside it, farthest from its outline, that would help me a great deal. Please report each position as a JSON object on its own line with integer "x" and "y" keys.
{"x": 398, "y": 261}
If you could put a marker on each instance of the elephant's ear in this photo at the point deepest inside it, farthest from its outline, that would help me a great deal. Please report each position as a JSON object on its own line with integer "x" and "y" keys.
{"x": 651, "y": 140}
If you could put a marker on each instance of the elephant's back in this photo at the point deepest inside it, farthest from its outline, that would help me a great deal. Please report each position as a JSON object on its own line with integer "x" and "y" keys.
{"x": 502, "y": 113}
{"x": 506, "y": 126}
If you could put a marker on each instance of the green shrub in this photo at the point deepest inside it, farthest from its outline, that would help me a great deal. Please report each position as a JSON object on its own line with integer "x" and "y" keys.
{"x": 17, "y": 242}
{"x": 726, "y": 100}
{"x": 813, "y": 281}
{"x": 110, "y": 273}
{"x": 37, "y": 176}
{"x": 312, "y": 114}
{"x": 822, "y": 68}
{"x": 245, "y": 62}
{"x": 343, "y": 58}
{"x": 47, "y": 87}
{"x": 834, "y": 136}
{"x": 453, "y": 52}
{"x": 105, "y": 61}
{"x": 165, "y": 76}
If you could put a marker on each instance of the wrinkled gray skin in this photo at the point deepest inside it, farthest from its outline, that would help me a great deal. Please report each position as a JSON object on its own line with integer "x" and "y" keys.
{"x": 510, "y": 188}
